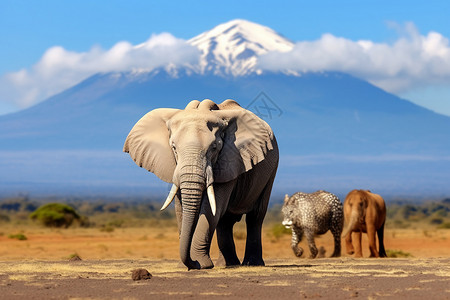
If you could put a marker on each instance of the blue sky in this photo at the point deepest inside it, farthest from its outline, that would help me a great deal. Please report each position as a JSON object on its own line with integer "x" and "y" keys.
{"x": 29, "y": 28}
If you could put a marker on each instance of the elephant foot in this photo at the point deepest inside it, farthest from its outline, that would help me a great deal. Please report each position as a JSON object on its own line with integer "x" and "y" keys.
{"x": 350, "y": 252}
{"x": 221, "y": 262}
{"x": 253, "y": 262}
{"x": 202, "y": 262}
{"x": 206, "y": 264}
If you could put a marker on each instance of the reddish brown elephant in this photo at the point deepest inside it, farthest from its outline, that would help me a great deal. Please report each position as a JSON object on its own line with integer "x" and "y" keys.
{"x": 364, "y": 212}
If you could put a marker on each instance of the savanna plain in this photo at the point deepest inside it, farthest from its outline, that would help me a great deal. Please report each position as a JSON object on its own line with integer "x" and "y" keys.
{"x": 95, "y": 256}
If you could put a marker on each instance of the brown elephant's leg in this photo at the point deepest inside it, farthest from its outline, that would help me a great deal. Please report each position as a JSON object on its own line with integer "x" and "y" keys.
{"x": 348, "y": 244}
{"x": 227, "y": 255}
{"x": 380, "y": 233}
{"x": 372, "y": 241}
{"x": 358, "y": 248}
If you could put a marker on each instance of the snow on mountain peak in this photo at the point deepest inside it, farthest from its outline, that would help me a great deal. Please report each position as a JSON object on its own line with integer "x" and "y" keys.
{"x": 233, "y": 47}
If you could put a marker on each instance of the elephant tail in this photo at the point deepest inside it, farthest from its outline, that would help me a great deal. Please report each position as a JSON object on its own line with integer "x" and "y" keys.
{"x": 351, "y": 223}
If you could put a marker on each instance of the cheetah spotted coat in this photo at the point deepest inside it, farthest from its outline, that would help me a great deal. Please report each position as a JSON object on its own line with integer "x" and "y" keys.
{"x": 313, "y": 214}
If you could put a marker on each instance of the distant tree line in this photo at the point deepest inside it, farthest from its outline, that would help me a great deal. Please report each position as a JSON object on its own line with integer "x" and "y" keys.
{"x": 111, "y": 213}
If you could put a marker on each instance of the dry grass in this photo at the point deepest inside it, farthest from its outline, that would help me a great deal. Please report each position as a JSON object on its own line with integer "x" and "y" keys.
{"x": 161, "y": 242}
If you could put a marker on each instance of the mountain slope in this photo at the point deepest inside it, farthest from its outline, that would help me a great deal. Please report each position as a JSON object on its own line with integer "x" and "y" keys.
{"x": 334, "y": 131}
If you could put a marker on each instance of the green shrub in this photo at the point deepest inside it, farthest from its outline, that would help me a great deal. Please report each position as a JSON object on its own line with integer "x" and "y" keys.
{"x": 107, "y": 228}
{"x": 436, "y": 221}
{"x": 445, "y": 225}
{"x": 397, "y": 253}
{"x": 55, "y": 215}
{"x": 278, "y": 230}
{"x": 19, "y": 236}
{"x": 4, "y": 218}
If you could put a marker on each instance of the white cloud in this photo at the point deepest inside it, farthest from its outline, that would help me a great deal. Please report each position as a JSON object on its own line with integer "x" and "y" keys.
{"x": 412, "y": 60}
{"x": 59, "y": 69}
{"x": 405, "y": 66}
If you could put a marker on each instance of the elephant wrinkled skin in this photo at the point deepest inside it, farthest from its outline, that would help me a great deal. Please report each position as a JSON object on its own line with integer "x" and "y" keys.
{"x": 222, "y": 160}
{"x": 364, "y": 212}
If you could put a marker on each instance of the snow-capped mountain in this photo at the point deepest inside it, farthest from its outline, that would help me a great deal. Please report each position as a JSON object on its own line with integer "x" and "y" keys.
{"x": 233, "y": 47}
{"x": 334, "y": 131}
{"x": 229, "y": 49}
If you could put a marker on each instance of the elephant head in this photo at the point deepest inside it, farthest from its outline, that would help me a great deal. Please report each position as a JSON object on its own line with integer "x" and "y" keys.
{"x": 355, "y": 206}
{"x": 194, "y": 149}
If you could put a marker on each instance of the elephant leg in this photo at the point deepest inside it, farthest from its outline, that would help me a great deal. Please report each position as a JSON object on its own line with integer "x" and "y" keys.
{"x": 349, "y": 244}
{"x": 297, "y": 234}
{"x": 254, "y": 221}
{"x": 337, "y": 241}
{"x": 207, "y": 225}
{"x": 311, "y": 243}
{"x": 372, "y": 241}
{"x": 358, "y": 248}
{"x": 380, "y": 234}
{"x": 227, "y": 249}
{"x": 253, "y": 245}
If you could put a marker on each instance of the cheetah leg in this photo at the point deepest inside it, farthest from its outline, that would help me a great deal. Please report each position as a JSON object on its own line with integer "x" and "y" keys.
{"x": 337, "y": 224}
{"x": 297, "y": 234}
{"x": 337, "y": 241}
{"x": 311, "y": 244}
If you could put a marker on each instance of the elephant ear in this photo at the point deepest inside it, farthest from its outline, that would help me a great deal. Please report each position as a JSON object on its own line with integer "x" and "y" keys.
{"x": 247, "y": 141}
{"x": 148, "y": 143}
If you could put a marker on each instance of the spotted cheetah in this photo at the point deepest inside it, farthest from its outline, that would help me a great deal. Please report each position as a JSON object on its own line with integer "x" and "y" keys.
{"x": 313, "y": 214}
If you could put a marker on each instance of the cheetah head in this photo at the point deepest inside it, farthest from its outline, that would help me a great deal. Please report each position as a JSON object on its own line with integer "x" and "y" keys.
{"x": 288, "y": 212}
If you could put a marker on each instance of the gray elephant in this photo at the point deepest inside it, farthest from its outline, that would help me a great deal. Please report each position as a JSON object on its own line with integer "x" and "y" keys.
{"x": 222, "y": 160}
{"x": 313, "y": 214}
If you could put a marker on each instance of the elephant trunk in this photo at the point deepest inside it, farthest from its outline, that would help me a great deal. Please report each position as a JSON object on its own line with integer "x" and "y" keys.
{"x": 195, "y": 176}
{"x": 354, "y": 218}
{"x": 191, "y": 195}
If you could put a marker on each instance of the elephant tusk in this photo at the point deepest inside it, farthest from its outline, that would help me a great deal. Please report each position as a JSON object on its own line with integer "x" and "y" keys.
{"x": 172, "y": 193}
{"x": 212, "y": 199}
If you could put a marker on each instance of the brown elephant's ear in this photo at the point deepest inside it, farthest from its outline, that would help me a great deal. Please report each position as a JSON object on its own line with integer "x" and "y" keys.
{"x": 247, "y": 141}
{"x": 148, "y": 143}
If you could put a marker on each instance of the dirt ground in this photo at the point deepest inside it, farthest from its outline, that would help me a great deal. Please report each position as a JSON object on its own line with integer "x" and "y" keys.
{"x": 39, "y": 267}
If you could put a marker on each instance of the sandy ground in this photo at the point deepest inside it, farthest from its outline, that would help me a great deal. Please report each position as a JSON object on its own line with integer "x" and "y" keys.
{"x": 39, "y": 268}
